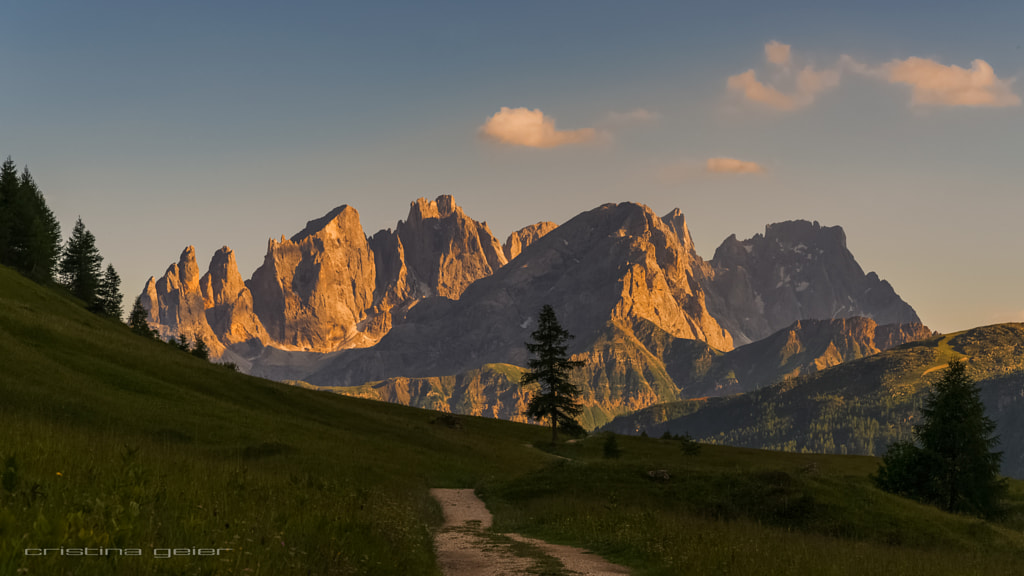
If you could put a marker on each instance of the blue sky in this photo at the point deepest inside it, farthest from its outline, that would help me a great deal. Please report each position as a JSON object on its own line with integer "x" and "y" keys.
{"x": 177, "y": 123}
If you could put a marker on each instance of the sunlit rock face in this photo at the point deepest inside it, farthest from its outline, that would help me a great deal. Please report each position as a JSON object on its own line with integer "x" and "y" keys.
{"x": 407, "y": 314}
{"x": 522, "y": 238}
{"x": 617, "y": 263}
{"x": 229, "y": 303}
{"x": 796, "y": 270}
{"x": 314, "y": 289}
{"x": 176, "y": 303}
{"x": 329, "y": 287}
{"x": 436, "y": 251}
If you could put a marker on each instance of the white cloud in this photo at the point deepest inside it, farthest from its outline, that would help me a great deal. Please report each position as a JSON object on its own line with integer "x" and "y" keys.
{"x": 935, "y": 84}
{"x": 634, "y": 115}
{"x": 808, "y": 84}
{"x": 531, "y": 128}
{"x": 732, "y": 166}
{"x": 777, "y": 53}
{"x": 932, "y": 83}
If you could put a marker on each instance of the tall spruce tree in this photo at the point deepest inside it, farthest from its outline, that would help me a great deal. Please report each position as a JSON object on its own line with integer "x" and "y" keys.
{"x": 199, "y": 348}
{"x": 35, "y": 233}
{"x": 182, "y": 343}
{"x": 29, "y": 232}
{"x": 80, "y": 266}
{"x": 137, "y": 320}
{"x": 108, "y": 295}
{"x": 953, "y": 463}
{"x": 8, "y": 193}
{"x": 558, "y": 398}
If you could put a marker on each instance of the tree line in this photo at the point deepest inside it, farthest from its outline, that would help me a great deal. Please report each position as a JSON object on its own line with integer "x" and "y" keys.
{"x": 31, "y": 243}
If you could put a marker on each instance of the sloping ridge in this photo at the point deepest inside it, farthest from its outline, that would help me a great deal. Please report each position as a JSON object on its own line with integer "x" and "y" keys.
{"x": 796, "y": 270}
{"x": 617, "y": 262}
{"x": 860, "y": 406}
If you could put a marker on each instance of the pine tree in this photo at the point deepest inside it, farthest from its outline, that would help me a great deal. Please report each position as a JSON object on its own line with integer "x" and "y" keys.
{"x": 8, "y": 193}
{"x": 137, "y": 320}
{"x": 29, "y": 232}
{"x": 108, "y": 295}
{"x": 952, "y": 464}
{"x": 38, "y": 233}
{"x": 558, "y": 398}
{"x": 80, "y": 266}
{"x": 200, "y": 349}
{"x": 182, "y": 343}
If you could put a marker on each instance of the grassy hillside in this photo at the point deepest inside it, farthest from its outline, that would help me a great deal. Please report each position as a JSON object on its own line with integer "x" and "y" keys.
{"x": 861, "y": 406}
{"x": 110, "y": 440}
{"x": 742, "y": 511}
{"x": 630, "y": 367}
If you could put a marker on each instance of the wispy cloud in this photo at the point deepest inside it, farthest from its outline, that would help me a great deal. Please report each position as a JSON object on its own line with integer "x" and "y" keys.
{"x": 723, "y": 165}
{"x": 935, "y": 84}
{"x": 777, "y": 53}
{"x": 932, "y": 83}
{"x": 800, "y": 92}
{"x": 634, "y": 115}
{"x": 531, "y": 128}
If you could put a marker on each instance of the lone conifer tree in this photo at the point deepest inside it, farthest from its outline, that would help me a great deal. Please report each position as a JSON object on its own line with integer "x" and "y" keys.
{"x": 182, "y": 343}
{"x": 108, "y": 294}
{"x": 199, "y": 348}
{"x": 558, "y": 398}
{"x": 137, "y": 320}
{"x": 80, "y": 267}
{"x": 953, "y": 463}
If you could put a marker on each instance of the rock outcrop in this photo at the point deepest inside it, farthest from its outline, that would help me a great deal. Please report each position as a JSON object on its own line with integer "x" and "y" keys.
{"x": 229, "y": 304}
{"x": 437, "y": 251}
{"x": 176, "y": 304}
{"x": 328, "y": 287}
{"x": 619, "y": 262}
{"x": 861, "y": 406}
{"x": 412, "y": 314}
{"x": 520, "y": 239}
{"x": 797, "y": 270}
{"x": 313, "y": 290}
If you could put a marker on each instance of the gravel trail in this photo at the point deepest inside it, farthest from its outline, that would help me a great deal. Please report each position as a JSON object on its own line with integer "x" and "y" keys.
{"x": 466, "y": 547}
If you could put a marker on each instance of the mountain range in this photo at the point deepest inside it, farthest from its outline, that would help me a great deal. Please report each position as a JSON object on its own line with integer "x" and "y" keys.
{"x": 435, "y": 312}
{"x": 860, "y": 406}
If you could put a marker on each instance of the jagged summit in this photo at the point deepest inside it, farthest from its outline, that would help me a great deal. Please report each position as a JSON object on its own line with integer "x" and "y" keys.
{"x": 342, "y": 217}
{"x": 616, "y": 263}
{"x": 439, "y": 295}
{"x": 795, "y": 270}
{"x": 443, "y": 249}
{"x": 443, "y": 207}
{"x": 522, "y": 238}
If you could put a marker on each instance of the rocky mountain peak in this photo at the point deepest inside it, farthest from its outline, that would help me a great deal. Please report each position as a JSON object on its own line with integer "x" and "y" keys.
{"x": 676, "y": 222}
{"x": 444, "y": 250}
{"x": 176, "y": 302}
{"x": 312, "y": 291}
{"x": 423, "y": 209}
{"x": 522, "y": 238}
{"x": 337, "y": 223}
{"x": 438, "y": 295}
{"x": 794, "y": 232}
{"x": 618, "y": 263}
{"x": 222, "y": 283}
{"x": 796, "y": 270}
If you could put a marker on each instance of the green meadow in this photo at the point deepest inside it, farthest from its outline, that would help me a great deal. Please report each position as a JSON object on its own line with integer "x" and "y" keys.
{"x": 112, "y": 442}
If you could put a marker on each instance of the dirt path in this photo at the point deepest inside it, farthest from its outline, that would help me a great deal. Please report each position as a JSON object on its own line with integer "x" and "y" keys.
{"x": 465, "y": 546}
{"x": 943, "y": 366}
